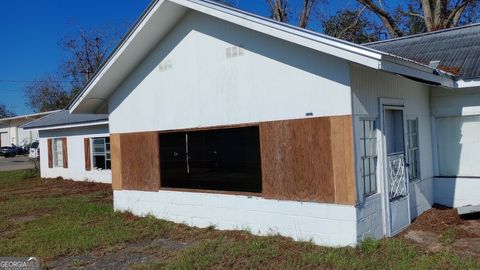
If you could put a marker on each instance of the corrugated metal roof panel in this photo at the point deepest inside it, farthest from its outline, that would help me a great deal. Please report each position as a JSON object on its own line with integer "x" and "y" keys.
{"x": 63, "y": 117}
{"x": 457, "y": 49}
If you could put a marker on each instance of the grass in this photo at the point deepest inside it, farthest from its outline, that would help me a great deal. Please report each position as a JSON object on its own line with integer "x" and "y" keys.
{"x": 55, "y": 218}
{"x": 449, "y": 236}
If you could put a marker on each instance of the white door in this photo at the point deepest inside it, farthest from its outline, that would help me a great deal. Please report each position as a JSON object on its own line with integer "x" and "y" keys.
{"x": 396, "y": 180}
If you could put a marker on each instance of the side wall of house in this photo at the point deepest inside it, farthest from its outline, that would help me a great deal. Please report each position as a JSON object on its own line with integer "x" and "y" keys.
{"x": 456, "y": 121}
{"x": 206, "y": 75}
{"x": 368, "y": 87}
{"x": 76, "y": 154}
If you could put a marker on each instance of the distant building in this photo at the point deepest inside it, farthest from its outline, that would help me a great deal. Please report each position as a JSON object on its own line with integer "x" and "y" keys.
{"x": 12, "y": 133}
{"x": 74, "y": 146}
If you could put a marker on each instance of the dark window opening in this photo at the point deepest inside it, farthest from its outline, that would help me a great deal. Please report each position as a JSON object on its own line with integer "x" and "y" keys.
{"x": 224, "y": 159}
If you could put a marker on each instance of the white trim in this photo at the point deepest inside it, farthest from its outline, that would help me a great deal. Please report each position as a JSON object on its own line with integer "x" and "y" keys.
{"x": 436, "y": 164}
{"x": 467, "y": 83}
{"x": 395, "y": 104}
{"x": 414, "y": 118}
{"x": 70, "y": 126}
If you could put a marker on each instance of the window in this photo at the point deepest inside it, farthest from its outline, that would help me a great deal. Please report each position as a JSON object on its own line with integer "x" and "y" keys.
{"x": 101, "y": 153}
{"x": 57, "y": 152}
{"x": 368, "y": 156}
{"x": 223, "y": 159}
{"x": 413, "y": 153}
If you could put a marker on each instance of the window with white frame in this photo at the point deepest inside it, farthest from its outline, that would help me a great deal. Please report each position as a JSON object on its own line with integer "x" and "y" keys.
{"x": 413, "y": 152}
{"x": 57, "y": 152}
{"x": 101, "y": 153}
{"x": 368, "y": 156}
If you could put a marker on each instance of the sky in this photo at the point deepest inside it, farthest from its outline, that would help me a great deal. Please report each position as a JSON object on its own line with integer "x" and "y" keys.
{"x": 30, "y": 32}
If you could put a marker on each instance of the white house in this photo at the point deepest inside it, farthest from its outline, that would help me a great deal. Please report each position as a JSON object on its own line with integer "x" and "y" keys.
{"x": 12, "y": 133}
{"x": 74, "y": 146}
{"x": 220, "y": 117}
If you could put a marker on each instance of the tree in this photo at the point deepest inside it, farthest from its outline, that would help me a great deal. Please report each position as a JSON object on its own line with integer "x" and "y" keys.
{"x": 284, "y": 11}
{"x": 351, "y": 25}
{"x": 46, "y": 94}
{"x": 85, "y": 54}
{"x": 5, "y": 112}
{"x": 433, "y": 14}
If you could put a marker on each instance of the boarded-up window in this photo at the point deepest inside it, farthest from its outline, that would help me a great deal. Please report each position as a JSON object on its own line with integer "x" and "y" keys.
{"x": 223, "y": 159}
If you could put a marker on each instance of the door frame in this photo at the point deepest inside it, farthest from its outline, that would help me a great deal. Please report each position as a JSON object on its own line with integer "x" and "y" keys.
{"x": 395, "y": 104}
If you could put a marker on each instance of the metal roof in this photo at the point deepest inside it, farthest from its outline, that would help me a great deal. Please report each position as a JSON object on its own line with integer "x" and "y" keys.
{"x": 27, "y": 116}
{"x": 457, "y": 49}
{"x": 64, "y": 118}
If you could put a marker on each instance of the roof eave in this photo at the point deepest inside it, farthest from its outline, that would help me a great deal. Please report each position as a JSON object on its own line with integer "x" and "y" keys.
{"x": 65, "y": 126}
{"x": 406, "y": 67}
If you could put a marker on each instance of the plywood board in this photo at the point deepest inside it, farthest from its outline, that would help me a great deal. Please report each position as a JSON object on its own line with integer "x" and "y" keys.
{"x": 343, "y": 159}
{"x": 140, "y": 161}
{"x": 296, "y": 160}
{"x": 116, "y": 159}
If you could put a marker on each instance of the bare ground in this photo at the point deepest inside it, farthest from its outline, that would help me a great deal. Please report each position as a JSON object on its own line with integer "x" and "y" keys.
{"x": 441, "y": 228}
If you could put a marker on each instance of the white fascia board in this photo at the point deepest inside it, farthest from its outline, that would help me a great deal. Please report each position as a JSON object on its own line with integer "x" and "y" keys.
{"x": 338, "y": 48}
{"x": 467, "y": 83}
{"x": 70, "y": 126}
{"x": 396, "y": 65}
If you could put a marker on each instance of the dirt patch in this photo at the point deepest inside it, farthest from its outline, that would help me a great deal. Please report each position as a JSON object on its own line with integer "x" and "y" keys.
{"x": 122, "y": 257}
{"x": 22, "y": 219}
{"x": 441, "y": 228}
{"x": 437, "y": 219}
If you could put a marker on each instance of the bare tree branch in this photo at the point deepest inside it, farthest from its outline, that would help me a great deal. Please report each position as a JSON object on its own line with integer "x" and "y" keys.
{"x": 388, "y": 21}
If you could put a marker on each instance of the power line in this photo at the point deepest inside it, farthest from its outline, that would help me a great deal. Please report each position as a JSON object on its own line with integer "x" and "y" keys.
{"x": 27, "y": 81}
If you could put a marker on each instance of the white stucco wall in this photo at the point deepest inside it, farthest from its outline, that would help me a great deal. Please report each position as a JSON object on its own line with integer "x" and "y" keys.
{"x": 368, "y": 87}
{"x": 188, "y": 81}
{"x": 76, "y": 154}
{"x": 457, "y": 191}
{"x": 325, "y": 224}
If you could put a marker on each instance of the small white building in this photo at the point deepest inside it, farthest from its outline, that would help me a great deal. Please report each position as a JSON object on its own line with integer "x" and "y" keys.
{"x": 220, "y": 117}
{"x": 74, "y": 146}
{"x": 12, "y": 133}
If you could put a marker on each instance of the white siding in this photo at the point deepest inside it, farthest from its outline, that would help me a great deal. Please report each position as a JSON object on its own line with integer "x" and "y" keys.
{"x": 76, "y": 154}
{"x": 368, "y": 87}
{"x": 188, "y": 81}
{"x": 325, "y": 224}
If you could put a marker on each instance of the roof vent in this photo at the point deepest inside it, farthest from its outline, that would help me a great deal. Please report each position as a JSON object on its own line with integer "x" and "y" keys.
{"x": 434, "y": 64}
